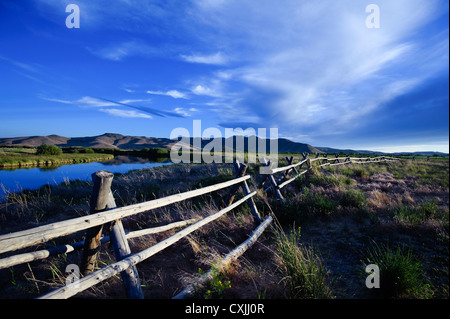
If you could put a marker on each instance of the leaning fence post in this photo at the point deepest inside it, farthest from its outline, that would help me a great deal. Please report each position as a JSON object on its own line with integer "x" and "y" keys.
{"x": 100, "y": 197}
{"x": 250, "y": 201}
{"x": 272, "y": 180}
{"x": 241, "y": 169}
{"x": 130, "y": 276}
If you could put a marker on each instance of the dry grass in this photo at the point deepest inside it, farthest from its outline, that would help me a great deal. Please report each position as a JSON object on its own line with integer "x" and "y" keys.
{"x": 404, "y": 204}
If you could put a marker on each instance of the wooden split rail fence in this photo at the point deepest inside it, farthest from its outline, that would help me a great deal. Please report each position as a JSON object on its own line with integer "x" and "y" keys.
{"x": 104, "y": 212}
{"x": 277, "y": 182}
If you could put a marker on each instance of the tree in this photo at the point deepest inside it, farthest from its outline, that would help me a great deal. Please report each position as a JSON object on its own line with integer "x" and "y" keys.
{"x": 46, "y": 149}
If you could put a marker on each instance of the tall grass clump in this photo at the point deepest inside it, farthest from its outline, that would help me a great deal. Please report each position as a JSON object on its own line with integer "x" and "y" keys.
{"x": 316, "y": 204}
{"x": 302, "y": 269}
{"x": 304, "y": 207}
{"x": 416, "y": 215}
{"x": 401, "y": 274}
{"x": 353, "y": 198}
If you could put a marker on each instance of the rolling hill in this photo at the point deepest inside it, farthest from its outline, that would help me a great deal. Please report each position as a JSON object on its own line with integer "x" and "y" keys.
{"x": 119, "y": 141}
{"x": 107, "y": 140}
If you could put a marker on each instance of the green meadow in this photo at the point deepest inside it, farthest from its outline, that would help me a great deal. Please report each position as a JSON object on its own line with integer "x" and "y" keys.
{"x": 11, "y": 157}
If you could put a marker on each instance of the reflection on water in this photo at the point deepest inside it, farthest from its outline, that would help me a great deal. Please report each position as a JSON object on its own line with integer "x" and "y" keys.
{"x": 14, "y": 180}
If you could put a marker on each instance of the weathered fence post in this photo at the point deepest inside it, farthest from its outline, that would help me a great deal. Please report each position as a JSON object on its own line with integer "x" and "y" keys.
{"x": 130, "y": 276}
{"x": 100, "y": 196}
{"x": 102, "y": 199}
{"x": 275, "y": 187}
{"x": 289, "y": 162}
{"x": 241, "y": 169}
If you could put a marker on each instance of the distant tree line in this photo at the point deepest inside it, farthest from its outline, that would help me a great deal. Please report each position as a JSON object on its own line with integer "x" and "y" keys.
{"x": 146, "y": 152}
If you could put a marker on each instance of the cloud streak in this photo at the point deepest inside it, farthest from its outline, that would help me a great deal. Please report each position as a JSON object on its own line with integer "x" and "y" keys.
{"x": 217, "y": 58}
{"x": 101, "y": 103}
{"x": 172, "y": 93}
{"x": 123, "y": 50}
{"x": 125, "y": 113}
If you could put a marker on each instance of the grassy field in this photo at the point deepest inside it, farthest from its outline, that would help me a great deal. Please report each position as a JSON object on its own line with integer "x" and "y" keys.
{"x": 334, "y": 222}
{"x": 20, "y": 157}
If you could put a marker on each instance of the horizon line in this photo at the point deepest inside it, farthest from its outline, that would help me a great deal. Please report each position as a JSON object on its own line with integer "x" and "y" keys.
{"x": 369, "y": 149}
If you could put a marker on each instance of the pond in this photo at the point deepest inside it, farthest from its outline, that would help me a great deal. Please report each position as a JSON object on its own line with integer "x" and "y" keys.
{"x": 33, "y": 178}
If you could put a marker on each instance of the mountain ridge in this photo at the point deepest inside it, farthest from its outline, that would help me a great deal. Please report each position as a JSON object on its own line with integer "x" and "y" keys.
{"x": 119, "y": 141}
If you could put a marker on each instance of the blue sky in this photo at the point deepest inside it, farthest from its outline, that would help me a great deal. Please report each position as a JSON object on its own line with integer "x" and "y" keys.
{"x": 312, "y": 69}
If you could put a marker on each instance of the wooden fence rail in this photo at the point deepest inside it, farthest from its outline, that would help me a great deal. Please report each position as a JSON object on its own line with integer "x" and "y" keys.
{"x": 68, "y": 248}
{"x": 277, "y": 184}
{"x": 22, "y": 239}
{"x": 103, "y": 211}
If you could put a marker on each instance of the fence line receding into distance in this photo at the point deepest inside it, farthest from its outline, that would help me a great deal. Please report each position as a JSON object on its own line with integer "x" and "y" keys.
{"x": 276, "y": 184}
{"x": 104, "y": 211}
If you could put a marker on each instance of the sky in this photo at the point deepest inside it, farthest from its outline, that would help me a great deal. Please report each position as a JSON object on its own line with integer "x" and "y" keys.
{"x": 321, "y": 72}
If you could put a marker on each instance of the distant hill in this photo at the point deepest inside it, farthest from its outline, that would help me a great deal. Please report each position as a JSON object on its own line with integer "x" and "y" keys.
{"x": 330, "y": 150}
{"x": 423, "y": 153}
{"x": 113, "y": 140}
{"x": 108, "y": 140}
{"x": 284, "y": 145}
{"x": 119, "y": 141}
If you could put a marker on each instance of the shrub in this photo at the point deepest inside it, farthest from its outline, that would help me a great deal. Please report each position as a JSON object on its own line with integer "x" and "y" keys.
{"x": 46, "y": 149}
{"x": 87, "y": 150}
{"x": 157, "y": 152}
{"x": 353, "y": 198}
{"x": 411, "y": 215}
{"x": 289, "y": 212}
{"x": 316, "y": 204}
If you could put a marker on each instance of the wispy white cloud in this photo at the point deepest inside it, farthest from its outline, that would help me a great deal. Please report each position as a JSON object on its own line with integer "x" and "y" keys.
{"x": 29, "y": 67}
{"x": 314, "y": 67}
{"x": 126, "y": 113}
{"x": 186, "y": 112}
{"x": 104, "y": 106}
{"x": 32, "y": 71}
{"x": 217, "y": 58}
{"x": 88, "y": 101}
{"x": 202, "y": 90}
{"x": 124, "y": 15}
{"x": 172, "y": 93}
{"x": 85, "y": 101}
{"x": 120, "y": 51}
